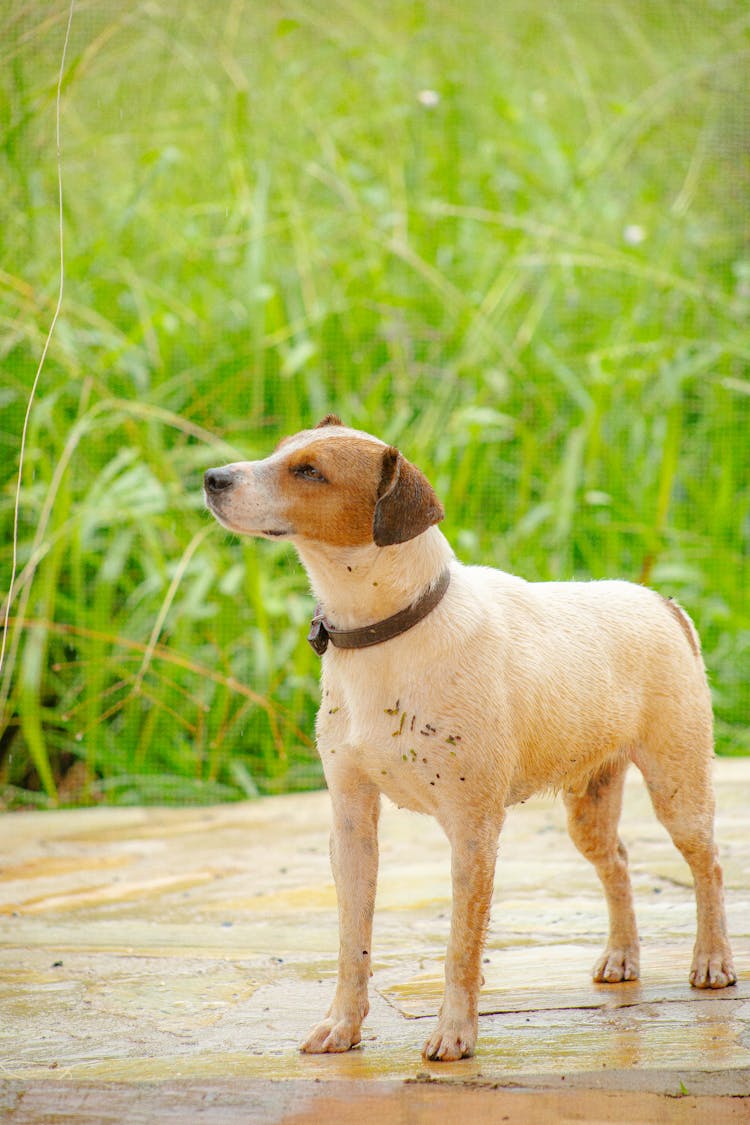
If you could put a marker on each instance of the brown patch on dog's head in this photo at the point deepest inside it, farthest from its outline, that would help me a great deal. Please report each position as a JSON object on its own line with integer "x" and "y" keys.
{"x": 330, "y": 488}
{"x": 329, "y": 420}
{"x": 407, "y": 504}
{"x": 349, "y": 490}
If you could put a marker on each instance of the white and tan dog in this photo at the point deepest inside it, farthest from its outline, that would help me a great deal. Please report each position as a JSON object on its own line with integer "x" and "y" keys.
{"x": 459, "y": 691}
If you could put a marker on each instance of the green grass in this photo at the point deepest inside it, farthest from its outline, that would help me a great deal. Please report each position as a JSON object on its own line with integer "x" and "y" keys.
{"x": 536, "y": 282}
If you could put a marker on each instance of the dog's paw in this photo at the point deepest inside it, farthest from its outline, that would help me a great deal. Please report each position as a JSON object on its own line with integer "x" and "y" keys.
{"x": 712, "y": 970}
{"x": 616, "y": 965}
{"x": 451, "y": 1040}
{"x": 332, "y": 1036}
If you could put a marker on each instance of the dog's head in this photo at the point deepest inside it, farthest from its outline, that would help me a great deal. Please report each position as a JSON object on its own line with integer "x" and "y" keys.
{"x": 330, "y": 485}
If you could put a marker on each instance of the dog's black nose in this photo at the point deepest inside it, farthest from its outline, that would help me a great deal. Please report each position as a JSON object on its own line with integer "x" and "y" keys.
{"x": 216, "y": 480}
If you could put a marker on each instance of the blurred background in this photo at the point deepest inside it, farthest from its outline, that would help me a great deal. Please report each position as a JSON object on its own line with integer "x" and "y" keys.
{"x": 510, "y": 238}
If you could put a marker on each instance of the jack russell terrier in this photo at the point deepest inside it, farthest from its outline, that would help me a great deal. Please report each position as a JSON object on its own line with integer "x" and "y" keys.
{"x": 460, "y": 690}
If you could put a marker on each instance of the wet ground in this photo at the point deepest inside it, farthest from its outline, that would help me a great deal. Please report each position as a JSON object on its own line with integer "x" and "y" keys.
{"x": 164, "y": 965}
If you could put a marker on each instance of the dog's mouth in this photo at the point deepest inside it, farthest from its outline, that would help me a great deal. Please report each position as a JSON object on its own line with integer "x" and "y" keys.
{"x": 262, "y": 533}
{"x": 214, "y": 506}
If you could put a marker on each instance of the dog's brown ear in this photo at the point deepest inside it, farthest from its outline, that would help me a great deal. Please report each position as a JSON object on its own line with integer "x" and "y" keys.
{"x": 406, "y": 505}
{"x": 329, "y": 420}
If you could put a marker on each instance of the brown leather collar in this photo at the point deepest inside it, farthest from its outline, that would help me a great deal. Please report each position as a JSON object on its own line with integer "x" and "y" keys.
{"x": 321, "y": 630}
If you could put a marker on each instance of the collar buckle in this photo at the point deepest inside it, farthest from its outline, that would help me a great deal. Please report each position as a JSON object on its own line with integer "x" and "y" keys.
{"x": 318, "y": 635}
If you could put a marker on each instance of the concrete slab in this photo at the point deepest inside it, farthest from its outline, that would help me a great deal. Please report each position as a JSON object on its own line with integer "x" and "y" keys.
{"x": 165, "y": 964}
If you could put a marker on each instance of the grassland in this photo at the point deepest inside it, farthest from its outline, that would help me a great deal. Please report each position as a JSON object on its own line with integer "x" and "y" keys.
{"x": 510, "y": 238}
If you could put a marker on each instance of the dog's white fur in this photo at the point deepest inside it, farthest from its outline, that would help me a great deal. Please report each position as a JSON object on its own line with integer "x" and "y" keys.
{"x": 506, "y": 688}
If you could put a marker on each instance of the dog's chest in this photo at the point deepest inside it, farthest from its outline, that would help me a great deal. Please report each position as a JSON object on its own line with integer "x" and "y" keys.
{"x": 409, "y": 747}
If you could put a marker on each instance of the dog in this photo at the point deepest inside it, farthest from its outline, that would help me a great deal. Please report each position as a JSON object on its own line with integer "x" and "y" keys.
{"x": 461, "y": 690}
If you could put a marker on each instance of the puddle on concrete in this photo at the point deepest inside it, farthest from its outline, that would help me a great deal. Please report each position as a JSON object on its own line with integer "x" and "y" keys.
{"x": 558, "y": 977}
{"x": 293, "y": 899}
{"x": 50, "y": 867}
{"x": 110, "y": 892}
{"x": 662, "y": 1036}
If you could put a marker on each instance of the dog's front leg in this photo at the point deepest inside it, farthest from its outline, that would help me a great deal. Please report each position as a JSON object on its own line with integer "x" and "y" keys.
{"x": 354, "y": 860}
{"x": 474, "y": 851}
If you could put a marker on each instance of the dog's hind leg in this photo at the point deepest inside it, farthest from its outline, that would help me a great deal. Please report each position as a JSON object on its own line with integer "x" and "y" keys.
{"x": 592, "y": 823}
{"x": 354, "y": 860}
{"x": 682, "y": 795}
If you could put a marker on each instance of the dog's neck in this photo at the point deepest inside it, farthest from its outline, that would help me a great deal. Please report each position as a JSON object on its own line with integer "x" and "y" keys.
{"x": 361, "y": 585}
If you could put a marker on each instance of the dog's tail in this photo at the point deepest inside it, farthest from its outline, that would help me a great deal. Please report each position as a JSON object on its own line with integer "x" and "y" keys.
{"x": 683, "y": 620}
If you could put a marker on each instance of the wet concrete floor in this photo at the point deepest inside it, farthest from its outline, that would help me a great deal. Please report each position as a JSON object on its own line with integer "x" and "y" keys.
{"x": 164, "y": 965}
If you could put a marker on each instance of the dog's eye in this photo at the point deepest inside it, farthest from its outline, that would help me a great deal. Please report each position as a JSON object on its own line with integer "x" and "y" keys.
{"x": 309, "y": 472}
